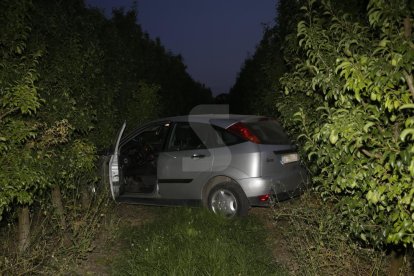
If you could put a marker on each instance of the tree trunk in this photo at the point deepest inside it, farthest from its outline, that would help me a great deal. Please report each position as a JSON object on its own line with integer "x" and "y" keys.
{"x": 407, "y": 35}
{"x": 104, "y": 171}
{"x": 85, "y": 199}
{"x": 407, "y": 28}
{"x": 58, "y": 205}
{"x": 397, "y": 262}
{"x": 24, "y": 228}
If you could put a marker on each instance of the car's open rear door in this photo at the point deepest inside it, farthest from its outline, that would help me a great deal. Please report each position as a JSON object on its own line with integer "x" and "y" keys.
{"x": 114, "y": 166}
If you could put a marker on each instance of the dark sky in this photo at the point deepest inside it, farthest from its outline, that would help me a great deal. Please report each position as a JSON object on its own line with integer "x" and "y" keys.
{"x": 213, "y": 36}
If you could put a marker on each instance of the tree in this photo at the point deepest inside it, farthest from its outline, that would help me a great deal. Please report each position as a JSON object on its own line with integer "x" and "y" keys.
{"x": 68, "y": 77}
{"x": 356, "y": 76}
{"x": 19, "y": 100}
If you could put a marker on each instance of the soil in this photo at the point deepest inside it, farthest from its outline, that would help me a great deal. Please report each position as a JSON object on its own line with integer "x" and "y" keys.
{"x": 275, "y": 239}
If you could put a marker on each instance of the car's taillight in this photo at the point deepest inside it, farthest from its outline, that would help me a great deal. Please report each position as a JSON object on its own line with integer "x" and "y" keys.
{"x": 264, "y": 198}
{"x": 243, "y": 131}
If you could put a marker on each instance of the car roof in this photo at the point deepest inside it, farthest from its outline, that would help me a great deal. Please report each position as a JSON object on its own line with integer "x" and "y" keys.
{"x": 221, "y": 120}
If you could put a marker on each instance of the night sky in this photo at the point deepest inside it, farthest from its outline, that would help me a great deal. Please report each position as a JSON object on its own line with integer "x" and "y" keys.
{"x": 213, "y": 36}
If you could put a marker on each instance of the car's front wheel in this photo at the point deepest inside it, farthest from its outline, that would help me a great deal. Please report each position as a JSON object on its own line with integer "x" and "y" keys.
{"x": 228, "y": 199}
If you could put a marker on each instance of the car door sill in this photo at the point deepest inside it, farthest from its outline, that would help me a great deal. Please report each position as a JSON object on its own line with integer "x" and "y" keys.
{"x": 138, "y": 199}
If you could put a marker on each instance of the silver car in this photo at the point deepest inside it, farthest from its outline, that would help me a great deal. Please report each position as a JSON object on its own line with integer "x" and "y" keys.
{"x": 226, "y": 163}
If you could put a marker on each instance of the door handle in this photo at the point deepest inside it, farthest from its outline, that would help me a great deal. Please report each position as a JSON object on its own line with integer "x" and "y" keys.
{"x": 197, "y": 156}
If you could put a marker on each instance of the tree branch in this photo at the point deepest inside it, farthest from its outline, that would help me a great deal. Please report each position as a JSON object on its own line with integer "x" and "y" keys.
{"x": 8, "y": 112}
{"x": 407, "y": 28}
{"x": 408, "y": 31}
{"x": 407, "y": 35}
{"x": 409, "y": 79}
{"x": 372, "y": 155}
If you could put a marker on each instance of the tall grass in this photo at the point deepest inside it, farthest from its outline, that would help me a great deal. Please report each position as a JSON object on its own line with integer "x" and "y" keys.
{"x": 183, "y": 241}
{"x": 317, "y": 243}
{"x": 54, "y": 251}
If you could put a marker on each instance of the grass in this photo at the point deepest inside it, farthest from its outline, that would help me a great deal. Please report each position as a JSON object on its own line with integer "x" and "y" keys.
{"x": 318, "y": 244}
{"x": 184, "y": 241}
{"x": 53, "y": 251}
{"x": 303, "y": 235}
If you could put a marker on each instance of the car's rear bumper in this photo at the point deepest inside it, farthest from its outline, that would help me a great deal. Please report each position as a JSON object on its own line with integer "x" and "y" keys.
{"x": 283, "y": 187}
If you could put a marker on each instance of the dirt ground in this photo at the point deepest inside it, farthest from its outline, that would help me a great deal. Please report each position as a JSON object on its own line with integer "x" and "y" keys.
{"x": 275, "y": 241}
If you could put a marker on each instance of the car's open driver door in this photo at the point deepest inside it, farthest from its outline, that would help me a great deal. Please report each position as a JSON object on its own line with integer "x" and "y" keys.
{"x": 114, "y": 166}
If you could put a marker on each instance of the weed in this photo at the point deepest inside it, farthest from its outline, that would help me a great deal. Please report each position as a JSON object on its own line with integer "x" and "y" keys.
{"x": 315, "y": 238}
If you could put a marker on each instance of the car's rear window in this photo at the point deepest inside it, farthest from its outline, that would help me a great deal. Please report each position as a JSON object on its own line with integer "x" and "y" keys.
{"x": 269, "y": 132}
{"x": 225, "y": 138}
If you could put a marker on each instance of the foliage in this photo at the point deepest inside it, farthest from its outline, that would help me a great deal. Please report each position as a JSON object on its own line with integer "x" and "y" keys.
{"x": 19, "y": 99}
{"x": 345, "y": 93}
{"x": 258, "y": 79}
{"x": 68, "y": 78}
{"x": 253, "y": 90}
{"x": 144, "y": 104}
{"x": 352, "y": 99}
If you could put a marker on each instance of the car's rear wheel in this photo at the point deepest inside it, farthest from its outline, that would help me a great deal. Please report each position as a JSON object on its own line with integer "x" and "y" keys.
{"x": 228, "y": 200}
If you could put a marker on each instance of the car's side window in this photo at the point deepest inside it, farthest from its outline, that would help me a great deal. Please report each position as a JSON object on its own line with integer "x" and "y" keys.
{"x": 154, "y": 136}
{"x": 185, "y": 137}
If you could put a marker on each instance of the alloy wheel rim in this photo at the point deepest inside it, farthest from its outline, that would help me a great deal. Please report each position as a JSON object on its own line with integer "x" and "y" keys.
{"x": 223, "y": 202}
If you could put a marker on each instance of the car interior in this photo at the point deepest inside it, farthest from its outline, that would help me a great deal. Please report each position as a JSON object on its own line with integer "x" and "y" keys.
{"x": 138, "y": 160}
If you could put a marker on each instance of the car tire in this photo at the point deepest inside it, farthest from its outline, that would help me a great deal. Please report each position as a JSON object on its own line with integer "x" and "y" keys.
{"x": 229, "y": 200}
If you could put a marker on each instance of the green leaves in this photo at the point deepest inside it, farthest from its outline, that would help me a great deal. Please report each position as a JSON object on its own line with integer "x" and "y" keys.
{"x": 367, "y": 126}
{"x": 144, "y": 103}
{"x": 373, "y": 197}
{"x": 407, "y": 106}
{"x": 358, "y": 125}
{"x": 406, "y": 132}
{"x": 68, "y": 76}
